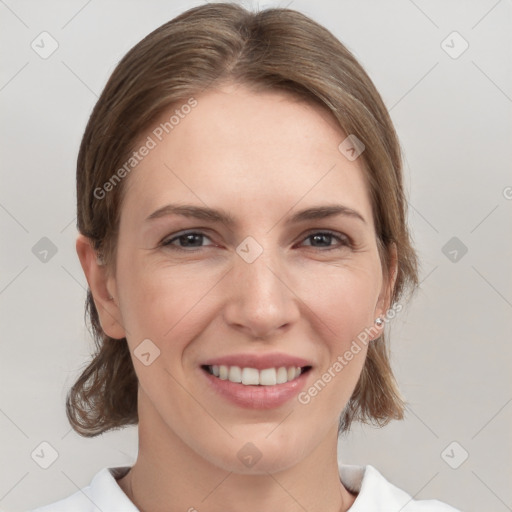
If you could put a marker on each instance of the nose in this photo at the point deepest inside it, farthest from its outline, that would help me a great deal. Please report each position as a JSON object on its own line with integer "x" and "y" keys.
{"x": 261, "y": 302}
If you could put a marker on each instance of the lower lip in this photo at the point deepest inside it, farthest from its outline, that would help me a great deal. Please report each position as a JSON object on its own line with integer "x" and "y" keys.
{"x": 256, "y": 397}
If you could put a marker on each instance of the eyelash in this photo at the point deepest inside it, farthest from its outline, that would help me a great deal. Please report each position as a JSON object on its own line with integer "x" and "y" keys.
{"x": 343, "y": 240}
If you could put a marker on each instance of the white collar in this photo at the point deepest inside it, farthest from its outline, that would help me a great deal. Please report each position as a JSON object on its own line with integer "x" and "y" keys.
{"x": 374, "y": 493}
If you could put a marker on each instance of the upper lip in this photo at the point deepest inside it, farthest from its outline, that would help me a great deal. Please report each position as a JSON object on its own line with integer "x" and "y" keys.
{"x": 258, "y": 361}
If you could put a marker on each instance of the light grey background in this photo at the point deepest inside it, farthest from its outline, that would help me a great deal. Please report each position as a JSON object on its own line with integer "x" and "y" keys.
{"x": 451, "y": 348}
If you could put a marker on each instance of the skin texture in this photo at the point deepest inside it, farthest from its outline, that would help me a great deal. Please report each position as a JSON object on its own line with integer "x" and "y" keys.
{"x": 261, "y": 157}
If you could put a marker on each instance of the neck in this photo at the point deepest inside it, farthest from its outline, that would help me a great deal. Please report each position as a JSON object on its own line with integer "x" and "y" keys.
{"x": 168, "y": 471}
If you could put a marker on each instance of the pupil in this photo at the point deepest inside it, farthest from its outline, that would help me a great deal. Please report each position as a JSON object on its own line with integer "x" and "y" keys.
{"x": 189, "y": 238}
{"x": 322, "y": 236}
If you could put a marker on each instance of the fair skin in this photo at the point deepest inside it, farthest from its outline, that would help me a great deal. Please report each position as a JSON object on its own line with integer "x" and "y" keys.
{"x": 261, "y": 157}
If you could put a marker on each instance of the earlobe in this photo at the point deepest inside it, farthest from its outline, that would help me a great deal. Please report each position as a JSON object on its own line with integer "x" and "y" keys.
{"x": 102, "y": 287}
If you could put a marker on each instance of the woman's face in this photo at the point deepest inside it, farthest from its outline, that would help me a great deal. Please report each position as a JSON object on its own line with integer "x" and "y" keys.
{"x": 295, "y": 289}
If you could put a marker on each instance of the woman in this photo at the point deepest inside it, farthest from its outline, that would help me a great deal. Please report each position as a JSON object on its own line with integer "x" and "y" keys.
{"x": 243, "y": 233}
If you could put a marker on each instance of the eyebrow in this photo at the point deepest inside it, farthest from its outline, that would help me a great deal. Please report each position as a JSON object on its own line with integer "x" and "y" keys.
{"x": 223, "y": 217}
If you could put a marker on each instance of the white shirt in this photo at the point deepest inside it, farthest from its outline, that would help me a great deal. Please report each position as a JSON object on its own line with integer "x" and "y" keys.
{"x": 374, "y": 494}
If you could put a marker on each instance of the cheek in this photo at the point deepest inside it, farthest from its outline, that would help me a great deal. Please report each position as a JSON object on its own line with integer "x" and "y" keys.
{"x": 341, "y": 305}
{"x": 342, "y": 297}
{"x": 160, "y": 302}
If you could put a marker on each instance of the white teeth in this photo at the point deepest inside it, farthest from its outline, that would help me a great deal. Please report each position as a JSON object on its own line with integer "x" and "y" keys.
{"x": 268, "y": 377}
{"x": 254, "y": 377}
{"x": 282, "y": 375}
{"x": 250, "y": 376}
{"x": 223, "y": 372}
{"x": 235, "y": 374}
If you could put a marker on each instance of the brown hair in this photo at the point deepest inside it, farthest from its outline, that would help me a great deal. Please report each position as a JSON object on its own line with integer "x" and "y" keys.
{"x": 275, "y": 49}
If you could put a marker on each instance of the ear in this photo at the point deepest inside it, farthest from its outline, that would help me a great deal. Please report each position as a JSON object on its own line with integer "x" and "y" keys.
{"x": 388, "y": 285}
{"x": 103, "y": 288}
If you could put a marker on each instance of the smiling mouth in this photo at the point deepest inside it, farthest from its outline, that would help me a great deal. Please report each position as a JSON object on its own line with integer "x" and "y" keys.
{"x": 254, "y": 377}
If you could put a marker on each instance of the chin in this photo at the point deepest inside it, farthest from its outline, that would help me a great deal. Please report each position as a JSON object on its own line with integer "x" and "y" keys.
{"x": 255, "y": 455}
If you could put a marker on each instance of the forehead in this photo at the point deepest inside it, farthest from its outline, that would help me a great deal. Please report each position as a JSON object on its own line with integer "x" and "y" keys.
{"x": 244, "y": 149}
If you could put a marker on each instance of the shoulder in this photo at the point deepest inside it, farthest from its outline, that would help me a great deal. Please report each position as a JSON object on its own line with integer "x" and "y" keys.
{"x": 103, "y": 493}
{"x": 376, "y": 493}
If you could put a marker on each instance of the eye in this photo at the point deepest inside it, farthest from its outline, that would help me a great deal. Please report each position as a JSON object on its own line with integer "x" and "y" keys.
{"x": 191, "y": 239}
{"x": 325, "y": 237}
